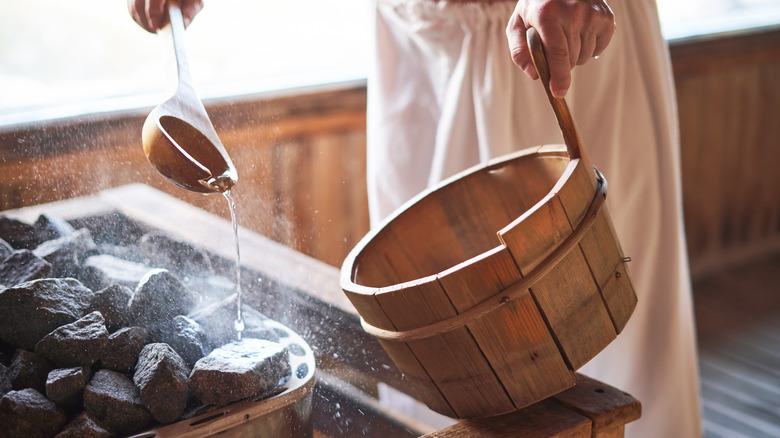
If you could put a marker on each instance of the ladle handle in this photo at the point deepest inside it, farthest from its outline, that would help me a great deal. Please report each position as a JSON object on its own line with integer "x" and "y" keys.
{"x": 177, "y": 35}
{"x": 571, "y": 135}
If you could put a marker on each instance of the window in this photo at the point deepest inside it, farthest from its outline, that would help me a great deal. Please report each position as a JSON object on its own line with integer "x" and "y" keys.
{"x": 63, "y": 58}
{"x": 691, "y": 18}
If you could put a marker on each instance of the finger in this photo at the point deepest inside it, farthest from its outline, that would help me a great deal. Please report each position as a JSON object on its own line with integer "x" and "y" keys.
{"x": 137, "y": 9}
{"x": 602, "y": 41}
{"x": 155, "y": 11}
{"x": 587, "y": 48}
{"x": 574, "y": 45}
{"x": 518, "y": 45}
{"x": 189, "y": 9}
{"x": 556, "y": 51}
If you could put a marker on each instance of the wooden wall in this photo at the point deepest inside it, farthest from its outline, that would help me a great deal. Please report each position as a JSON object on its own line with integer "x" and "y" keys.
{"x": 300, "y": 156}
{"x": 728, "y": 91}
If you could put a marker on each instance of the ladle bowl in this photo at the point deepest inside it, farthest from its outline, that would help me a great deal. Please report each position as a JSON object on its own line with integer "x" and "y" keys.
{"x": 178, "y": 137}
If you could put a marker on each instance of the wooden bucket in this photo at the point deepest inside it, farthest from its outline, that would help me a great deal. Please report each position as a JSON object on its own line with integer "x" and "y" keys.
{"x": 483, "y": 325}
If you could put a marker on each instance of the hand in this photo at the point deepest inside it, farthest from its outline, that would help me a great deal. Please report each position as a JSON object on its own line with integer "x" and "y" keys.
{"x": 152, "y": 15}
{"x": 572, "y": 32}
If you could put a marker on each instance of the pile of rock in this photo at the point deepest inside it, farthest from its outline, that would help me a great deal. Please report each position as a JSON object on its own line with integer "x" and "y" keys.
{"x": 108, "y": 329}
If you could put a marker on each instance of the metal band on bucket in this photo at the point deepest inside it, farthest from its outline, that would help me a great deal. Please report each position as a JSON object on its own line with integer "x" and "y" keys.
{"x": 512, "y": 291}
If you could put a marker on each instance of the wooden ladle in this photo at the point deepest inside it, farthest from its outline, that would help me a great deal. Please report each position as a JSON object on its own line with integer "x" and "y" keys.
{"x": 178, "y": 136}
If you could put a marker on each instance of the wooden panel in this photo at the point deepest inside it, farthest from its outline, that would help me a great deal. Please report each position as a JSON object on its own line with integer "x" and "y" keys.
{"x": 568, "y": 296}
{"x": 600, "y": 248}
{"x": 452, "y": 359}
{"x": 295, "y": 154}
{"x": 608, "y": 408}
{"x": 514, "y": 338}
{"x": 544, "y": 419}
{"x": 728, "y": 96}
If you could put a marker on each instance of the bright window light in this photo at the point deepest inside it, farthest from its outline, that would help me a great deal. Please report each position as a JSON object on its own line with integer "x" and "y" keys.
{"x": 69, "y": 57}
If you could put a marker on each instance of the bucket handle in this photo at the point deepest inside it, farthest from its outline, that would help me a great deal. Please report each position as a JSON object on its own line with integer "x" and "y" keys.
{"x": 571, "y": 135}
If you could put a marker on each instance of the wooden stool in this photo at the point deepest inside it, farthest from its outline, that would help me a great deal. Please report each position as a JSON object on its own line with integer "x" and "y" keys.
{"x": 590, "y": 409}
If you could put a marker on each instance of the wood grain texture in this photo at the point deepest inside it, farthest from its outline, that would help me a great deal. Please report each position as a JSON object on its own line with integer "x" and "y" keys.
{"x": 729, "y": 97}
{"x": 299, "y": 155}
{"x": 545, "y": 419}
{"x": 568, "y": 296}
{"x": 523, "y": 355}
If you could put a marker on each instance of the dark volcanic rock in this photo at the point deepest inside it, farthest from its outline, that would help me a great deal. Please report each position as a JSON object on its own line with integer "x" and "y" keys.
{"x": 103, "y": 270}
{"x": 188, "y": 339}
{"x": 212, "y": 288}
{"x": 20, "y": 235}
{"x": 112, "y": 227}
{"x": 27, "y": 413}
{"x": 83, "y": 426}
{"x": 29, "y": 370}
{"x": 130, "y": 253}
{"x": 32, "y": 309}
{"x": 114, "y": 401}
{"x": 111, "y": 302}
{"x": 5, "y": 249}
{"x": 168, "y": 252}
{"x": 65, "y": 253}
{"x": 23, "y": 265}
{"x": 218, "y": 321}
{"x": 239, "y": 370}
{"x": 5, "y": 380}
{"x": 161, "y": 376}
{"x": 65, "y": 386}
{"x": 52, "y": 227}
{"x": 79, "y": 343}
{"x": 123, "y": 348}
{"x": 158, "y": 298}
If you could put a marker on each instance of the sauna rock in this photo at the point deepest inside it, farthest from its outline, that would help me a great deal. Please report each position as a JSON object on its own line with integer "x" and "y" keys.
{"x": 104, "y": 270}
{"x": 65, "y": 253}
{"x": 83, "y": 426}
{"x": 161, "y": 377}
{"x": 23, "y": 265}
{"x": 174, "y": 254}
{"x": 75, "y": 339}
{"x": 112, "y": 302}
{"x": 79, "y": 343}
{"x": 5, "y": 249}
{"x": 5, "y": 380}
{"x": 123, "y": 348}
{"x": 20, "y": 235}
{"x": 33, "y": 309}
{"x": 239, "y": 370}
{"x": 113, "y": 400}
{"x": 65, "y": 386}
{"x": 188, "y": 339}
{"x": 52, "y": 227}
{"x": 29, "y": 370}
{"x": 28, "y": 413}
{"x": 158, "y": 298}
{"x": 217, "y": 321}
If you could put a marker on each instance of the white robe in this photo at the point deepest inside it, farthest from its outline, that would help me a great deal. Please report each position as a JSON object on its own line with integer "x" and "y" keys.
{"x": 444, "y": 95}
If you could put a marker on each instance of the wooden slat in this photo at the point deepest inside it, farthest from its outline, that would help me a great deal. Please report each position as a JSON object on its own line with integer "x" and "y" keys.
{"x": 453, "y": 359}
{"x": 568, "y": 296}
{"x": 599, "y": 246}
{"x": 608, "y": 408}
{"x": 514, "y": 338}
{"x": 545, "y": 419}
